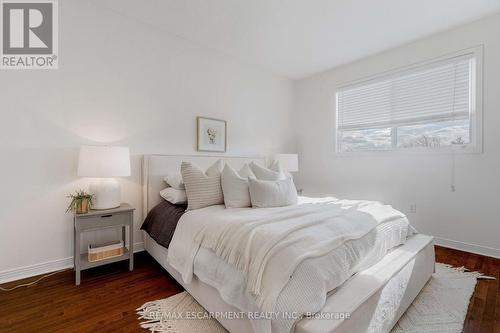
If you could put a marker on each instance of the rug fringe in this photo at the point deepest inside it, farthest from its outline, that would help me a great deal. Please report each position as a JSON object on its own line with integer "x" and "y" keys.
{"x": 158, "y": 327}
{"x": 152, "y": 312}
{"x": 462, "y": 269}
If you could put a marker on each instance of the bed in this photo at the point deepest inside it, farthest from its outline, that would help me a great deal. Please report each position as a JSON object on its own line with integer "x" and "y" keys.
{"x": 373, "y": 299}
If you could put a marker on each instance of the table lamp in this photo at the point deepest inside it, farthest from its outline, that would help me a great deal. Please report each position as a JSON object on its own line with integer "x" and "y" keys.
{"x": 104, "y": 163}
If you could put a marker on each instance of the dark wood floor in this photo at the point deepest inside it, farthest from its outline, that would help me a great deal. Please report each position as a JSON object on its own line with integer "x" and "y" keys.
{"x": 104, "y": 302}
{"x": 108, "y": 296}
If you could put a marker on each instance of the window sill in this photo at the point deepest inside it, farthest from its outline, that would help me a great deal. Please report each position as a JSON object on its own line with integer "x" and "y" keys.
{"x": 414, "y": 152}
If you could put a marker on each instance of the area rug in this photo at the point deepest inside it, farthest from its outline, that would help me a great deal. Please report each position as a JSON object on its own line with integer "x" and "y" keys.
{"x": 440, "y": 307}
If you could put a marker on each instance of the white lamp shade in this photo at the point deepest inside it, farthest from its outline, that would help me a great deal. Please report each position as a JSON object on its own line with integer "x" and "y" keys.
{"x": 289, "y": 162}
{"x": 104, "y": 161}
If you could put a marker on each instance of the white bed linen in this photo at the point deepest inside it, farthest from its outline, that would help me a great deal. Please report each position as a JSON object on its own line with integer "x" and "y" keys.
{"x": 308, "y": 278}
{"x": 308, "y": 288}
{"x": 390, "y": 274}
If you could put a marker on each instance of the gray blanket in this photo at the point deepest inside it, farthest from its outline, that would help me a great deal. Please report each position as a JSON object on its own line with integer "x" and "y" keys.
{"x": 162, "y": 220}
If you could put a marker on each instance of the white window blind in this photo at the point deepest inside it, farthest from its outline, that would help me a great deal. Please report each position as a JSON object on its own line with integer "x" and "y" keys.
{"x": 439, "y": 91}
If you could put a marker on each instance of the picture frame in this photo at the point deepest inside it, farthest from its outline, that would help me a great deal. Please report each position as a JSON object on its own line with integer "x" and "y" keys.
{"x": 211, "y": 134}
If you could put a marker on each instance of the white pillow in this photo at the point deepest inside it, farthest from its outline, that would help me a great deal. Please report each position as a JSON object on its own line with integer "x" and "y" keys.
{"x": 265, "y": 173}
{"x": 235, "y": 186}
{"x": 174, "y": 180}
{"x": 246, "y": 172}
{"x": 276, "y": 166}
{"x": 277, "y": 193}
{"x": 174, "y": 195}
{"x": 203, "y": 189}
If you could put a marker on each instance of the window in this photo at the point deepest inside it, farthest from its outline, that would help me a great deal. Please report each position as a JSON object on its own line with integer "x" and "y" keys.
{"x": 430, "y": 106}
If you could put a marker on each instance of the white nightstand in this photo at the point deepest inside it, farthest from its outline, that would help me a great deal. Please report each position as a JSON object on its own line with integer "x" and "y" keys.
{"x": 122, "y": 216}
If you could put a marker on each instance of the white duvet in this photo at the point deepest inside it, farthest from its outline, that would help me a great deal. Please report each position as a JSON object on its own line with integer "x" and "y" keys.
{"x": 270, "y": 255}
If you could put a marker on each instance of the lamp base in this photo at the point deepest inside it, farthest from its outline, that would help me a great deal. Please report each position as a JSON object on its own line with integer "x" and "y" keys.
{"x": 106, "y": 193}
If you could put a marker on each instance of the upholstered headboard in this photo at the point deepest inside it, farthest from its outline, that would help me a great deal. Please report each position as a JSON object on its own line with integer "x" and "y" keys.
{"x": 155, "y": 167}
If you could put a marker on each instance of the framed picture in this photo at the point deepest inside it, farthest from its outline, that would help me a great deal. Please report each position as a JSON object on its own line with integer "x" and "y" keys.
{"x": 211, "y": 134}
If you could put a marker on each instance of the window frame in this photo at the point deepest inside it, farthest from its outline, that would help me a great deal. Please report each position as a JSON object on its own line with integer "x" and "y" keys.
{"x": 475, "y": 115}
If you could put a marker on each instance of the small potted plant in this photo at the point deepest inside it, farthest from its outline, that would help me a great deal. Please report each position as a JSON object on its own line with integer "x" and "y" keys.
{"x": 81, "y": 202}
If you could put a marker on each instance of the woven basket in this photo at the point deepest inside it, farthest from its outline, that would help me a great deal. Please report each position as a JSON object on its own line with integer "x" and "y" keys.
{"x": 97, "y": 252}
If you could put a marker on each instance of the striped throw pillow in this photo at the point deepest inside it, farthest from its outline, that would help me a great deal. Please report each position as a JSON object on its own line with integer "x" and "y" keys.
{"x": 203, "y": 189}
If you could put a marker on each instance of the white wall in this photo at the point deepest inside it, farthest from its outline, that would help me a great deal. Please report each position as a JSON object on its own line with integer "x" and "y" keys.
{"x": 119, "y": 82}
{"x": 467, "y": 218}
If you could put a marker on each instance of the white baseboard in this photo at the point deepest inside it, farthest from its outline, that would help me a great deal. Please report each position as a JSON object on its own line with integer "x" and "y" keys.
{"x": 472, "y": 248}
{"x": 37, "y": 269}
{"x": 46, "y": 267}
{"x": 139, "y": 247}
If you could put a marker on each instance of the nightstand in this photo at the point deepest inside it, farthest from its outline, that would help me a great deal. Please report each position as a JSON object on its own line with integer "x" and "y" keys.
{"x": 122, "y": 216}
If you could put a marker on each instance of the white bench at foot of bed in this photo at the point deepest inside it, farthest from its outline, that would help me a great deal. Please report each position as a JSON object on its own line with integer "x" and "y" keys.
{"x": 380, "y": 294}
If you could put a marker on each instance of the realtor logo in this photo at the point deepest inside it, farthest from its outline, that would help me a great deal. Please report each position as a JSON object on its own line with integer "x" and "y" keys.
{"x": 29, "y": 34}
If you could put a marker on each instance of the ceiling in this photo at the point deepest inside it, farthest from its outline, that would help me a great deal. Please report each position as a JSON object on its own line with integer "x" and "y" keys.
{"x": 297, "y": 38}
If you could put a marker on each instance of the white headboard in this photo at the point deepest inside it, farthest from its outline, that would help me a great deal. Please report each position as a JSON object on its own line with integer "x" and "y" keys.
{"x": 155, "y": 167}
